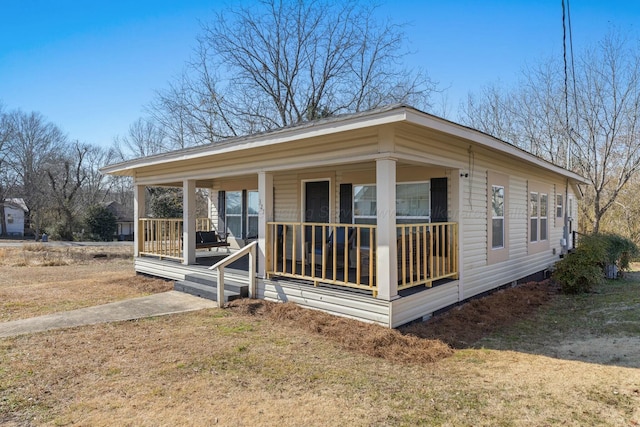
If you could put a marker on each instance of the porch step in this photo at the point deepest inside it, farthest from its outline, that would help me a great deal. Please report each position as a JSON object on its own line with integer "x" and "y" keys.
{"x": 238, "y": 284}
{"x": 206, "y": 286}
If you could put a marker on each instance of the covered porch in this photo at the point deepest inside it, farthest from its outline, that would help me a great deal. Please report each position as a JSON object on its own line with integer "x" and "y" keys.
{"x": 337, "y": 227}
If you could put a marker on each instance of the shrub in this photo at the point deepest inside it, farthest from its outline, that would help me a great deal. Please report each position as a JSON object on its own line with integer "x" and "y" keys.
{"x": 583, "y": 269}
{"x": 620, "y": 250}
{"x": 101, "y": 222}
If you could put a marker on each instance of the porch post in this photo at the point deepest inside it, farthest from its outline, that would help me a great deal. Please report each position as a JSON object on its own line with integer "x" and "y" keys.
{"x": 138, "y": 212}
{"x": 458, "y": 179}
{"x": 386, "y": 238}
{"x": 265, "y": 196}
{"x": 210, "y": 205}
{"x": 189, "y": 221}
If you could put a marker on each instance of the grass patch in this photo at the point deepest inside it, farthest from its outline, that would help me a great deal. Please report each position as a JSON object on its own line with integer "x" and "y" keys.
{"x": 81, "y": 281}
{"x": 259, "y": 363}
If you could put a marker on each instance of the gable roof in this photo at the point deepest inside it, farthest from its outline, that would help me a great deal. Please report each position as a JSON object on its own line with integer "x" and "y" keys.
{"x": 397, "y": 113}
{"x": 17, "y": 203}
{"x": 121, "y": 213}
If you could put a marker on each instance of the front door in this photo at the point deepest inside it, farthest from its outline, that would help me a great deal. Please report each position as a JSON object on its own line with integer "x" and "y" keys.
{"x": 316, "y": 206}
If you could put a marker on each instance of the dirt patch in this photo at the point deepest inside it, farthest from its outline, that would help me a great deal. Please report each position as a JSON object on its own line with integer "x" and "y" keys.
{"x": 353, "y": 335}
{"x": 620, "y": 351}
{"x": 463, "y": 326}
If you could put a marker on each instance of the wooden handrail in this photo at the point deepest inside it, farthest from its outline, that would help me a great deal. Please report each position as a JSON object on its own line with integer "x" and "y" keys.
{"x": 250, "y": 250}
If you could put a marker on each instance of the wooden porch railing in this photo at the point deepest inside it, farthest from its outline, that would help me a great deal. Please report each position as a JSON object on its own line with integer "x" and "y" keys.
{"x": 426, "y": 252}
{"x": 338, "y": 254}
{"x": 204, "y": 224}
{"x": 308, "y": 251}
{"x": 162, "y": 237}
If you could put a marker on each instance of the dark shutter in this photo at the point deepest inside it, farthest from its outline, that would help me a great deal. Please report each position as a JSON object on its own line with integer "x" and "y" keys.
{"x": 222, "y": 229}
{"x": 439, "y": 200}
{"x": 245, "y": 209}
{"x": 346, "y": 203}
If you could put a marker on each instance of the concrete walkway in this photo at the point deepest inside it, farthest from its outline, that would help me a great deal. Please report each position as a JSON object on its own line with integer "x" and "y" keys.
{"x": 171, "y": 302}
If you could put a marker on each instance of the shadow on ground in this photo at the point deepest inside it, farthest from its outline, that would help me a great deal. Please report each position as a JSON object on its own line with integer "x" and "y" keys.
{"x": 535, "y": 318}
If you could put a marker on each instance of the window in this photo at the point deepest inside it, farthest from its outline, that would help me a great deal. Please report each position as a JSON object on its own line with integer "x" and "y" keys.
{"x": 364, "y": 208}
{"x": 413, "y": 203}
{"x": 241, "y": 214}
{"x": 538, "y": 199}
{"x": 497, "y": 217}
{"x": 533, "y": 217}
{"x": 570, "y": 208}
{"x": 543, "y": 216}
{"x": 253, "y": 210}
{"x": 233, "y": 213}
{"x": 539, "y": 205}
{"x": 9, "y": 219}
{"x": 364, "y": 204}
{"x": 559, "y": 213}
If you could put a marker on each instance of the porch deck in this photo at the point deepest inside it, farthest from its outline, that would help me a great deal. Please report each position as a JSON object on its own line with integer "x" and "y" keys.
{"x": 341, "y": 301}
{"x": 237, "y": 271}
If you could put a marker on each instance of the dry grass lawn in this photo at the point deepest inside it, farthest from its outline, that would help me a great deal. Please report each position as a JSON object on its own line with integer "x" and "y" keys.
{"x": 261, "y": 364}
{"x": 38, "y": 279}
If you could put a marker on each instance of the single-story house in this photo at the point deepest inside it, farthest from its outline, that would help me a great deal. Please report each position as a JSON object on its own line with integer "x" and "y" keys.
{"x": 15, "y": 211}
{"x": 124, "y": 220}
{"x": 384, "y": 216}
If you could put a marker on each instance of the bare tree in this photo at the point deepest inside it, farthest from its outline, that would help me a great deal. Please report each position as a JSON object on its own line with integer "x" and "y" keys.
{"x": 74, "y": 184}
{"x": 281, "y": 62}
{"x": 144, "y": 138}
{"x": 599, "y": 124}
{"x": 33, "y": 142}
{"x": 5, "y": 133}
{"x": 97, "y": 186}
{"x": 66, "y": 177}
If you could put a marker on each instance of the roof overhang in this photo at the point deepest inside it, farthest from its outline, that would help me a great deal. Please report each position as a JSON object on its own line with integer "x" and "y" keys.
{"x": 383, "y": 116}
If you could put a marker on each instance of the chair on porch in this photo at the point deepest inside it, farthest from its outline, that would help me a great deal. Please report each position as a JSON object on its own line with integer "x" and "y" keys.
{"x": 341, "y": 240}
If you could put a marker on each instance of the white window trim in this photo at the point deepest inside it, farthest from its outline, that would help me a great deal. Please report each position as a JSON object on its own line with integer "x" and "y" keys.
{"x": 427, "y": 218}
{"x": 493, "y": 217}
{"x": 234, "y": 215}
{"x": 540, "y": 217}
{"x": 496, "y": 255}
{"x": 537, "y": 245}
{"x": 353, "y": 204}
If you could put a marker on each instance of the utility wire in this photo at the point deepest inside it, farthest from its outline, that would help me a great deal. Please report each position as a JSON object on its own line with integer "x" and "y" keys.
{"x": 566, "y": 77}
{"x": 573, "y": 78}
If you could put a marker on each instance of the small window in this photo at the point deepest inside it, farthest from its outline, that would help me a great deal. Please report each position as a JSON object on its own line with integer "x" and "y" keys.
{"x": 559, "y": 212}
{"x": 9, "y": 219}
{"x": 533, "y": 216}
{"x": 497, "y": 220}
{"x": 543, "y": 216}
{"x": 570, "y": 208}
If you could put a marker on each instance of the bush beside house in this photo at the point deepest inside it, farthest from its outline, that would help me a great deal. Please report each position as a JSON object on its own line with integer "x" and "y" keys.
{"x": 597, "y": 257}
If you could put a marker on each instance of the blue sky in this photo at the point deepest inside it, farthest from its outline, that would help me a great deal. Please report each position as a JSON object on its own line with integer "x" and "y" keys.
{"x": 92, "y": 66}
